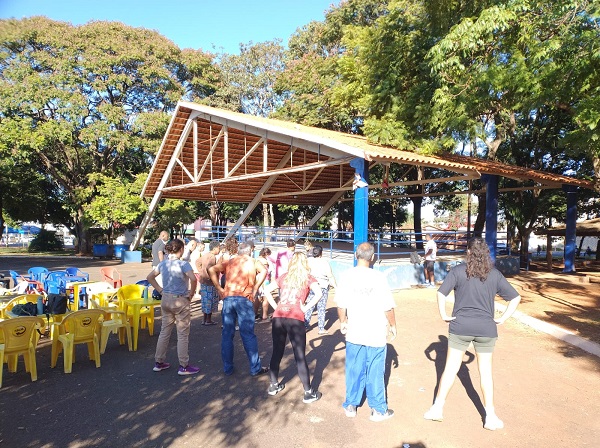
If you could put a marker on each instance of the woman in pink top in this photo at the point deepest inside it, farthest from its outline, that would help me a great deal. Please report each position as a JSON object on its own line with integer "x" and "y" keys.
{"x": 288, "y": 320}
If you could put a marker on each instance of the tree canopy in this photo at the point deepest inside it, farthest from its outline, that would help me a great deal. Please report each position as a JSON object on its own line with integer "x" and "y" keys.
{"x": 83, "y": 108}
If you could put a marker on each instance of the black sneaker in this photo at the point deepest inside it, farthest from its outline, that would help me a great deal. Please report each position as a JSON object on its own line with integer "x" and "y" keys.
{"x": 310, "y": 396}
{"x": 274, "y": 389}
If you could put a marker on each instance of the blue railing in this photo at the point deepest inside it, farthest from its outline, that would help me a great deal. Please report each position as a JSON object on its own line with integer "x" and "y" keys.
{"x": 387, "y": 244}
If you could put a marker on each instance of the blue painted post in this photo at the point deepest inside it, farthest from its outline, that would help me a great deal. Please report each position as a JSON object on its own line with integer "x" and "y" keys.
{"x": 570, "y": 231}
{"x": 491, "y": 212}
{"x": 361, "y": 203}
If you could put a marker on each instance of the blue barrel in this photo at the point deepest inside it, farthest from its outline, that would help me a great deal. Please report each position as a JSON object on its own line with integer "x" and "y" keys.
{"x": 119, "y": 248}
{"x": 102, "y": 250}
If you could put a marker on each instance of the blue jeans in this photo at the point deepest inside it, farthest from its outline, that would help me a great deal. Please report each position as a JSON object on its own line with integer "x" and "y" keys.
{"x": 365, "y": 368}
{"x": 240, "y": 309}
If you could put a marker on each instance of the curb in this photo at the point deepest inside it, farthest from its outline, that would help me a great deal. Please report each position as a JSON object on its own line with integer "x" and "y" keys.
{"x": 557, "y": 332}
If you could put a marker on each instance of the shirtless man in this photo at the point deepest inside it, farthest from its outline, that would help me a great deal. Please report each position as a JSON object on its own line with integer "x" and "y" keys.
{"x": 243, "y": 277}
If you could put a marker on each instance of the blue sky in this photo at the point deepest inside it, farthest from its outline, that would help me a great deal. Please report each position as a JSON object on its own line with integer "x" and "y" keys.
{"x": 198, "y": 24}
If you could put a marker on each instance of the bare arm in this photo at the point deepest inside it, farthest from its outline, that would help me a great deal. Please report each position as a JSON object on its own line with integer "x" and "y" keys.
{"x": 317, "y": 294}
{"x": 391, "y": 318}
{"x": 152, "y": 280}
{"x": 343, "y": 320}
{"x": 261, "y": 275}
{"x": 268, "y": 289}
{"x": 442, "y": 307}
{"x": 193, "y": 283}
{"x": 213, "y": 273}
{"x": 331, "y": 277}
{"x": 510, "y": 309}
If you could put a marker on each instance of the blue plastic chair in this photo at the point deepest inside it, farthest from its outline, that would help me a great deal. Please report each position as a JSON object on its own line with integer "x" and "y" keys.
{"x": 38, "y": 274}
{"x": 16, "y": 278}
{"x": 53, "y": 287}
{"x": 60, "y": 278}
{"x": 76, "y": 272}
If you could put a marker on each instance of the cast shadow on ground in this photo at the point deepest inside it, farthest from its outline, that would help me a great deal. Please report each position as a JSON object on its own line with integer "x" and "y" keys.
{"x": 125, "y": 403}
{"x": 437, "y": 352}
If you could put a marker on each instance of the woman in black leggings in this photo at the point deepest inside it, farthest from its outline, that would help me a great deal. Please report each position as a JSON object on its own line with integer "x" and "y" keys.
{"x": 288, "y": 320}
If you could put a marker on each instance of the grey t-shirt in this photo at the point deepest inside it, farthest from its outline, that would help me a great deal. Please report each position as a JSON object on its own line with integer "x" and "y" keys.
{"x": 174, "y": 278}
{"x": 474, "y": 301}
{"x": 158, "y": 246}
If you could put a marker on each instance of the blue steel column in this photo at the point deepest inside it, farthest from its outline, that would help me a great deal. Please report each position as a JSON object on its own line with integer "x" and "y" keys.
{"x": 570, "y": 231}
{"x": 491, "y": 212}
{"x": 361, "y": 203}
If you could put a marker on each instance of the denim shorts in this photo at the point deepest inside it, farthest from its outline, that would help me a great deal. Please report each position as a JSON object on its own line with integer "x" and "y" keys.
{"x": 482, "y": 344}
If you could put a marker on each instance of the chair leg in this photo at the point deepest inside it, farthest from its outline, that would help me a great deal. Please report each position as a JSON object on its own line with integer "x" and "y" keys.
{"x": 68, "y": 348}
{"x": 104, "y": 339}
{"x": 151, "y": 323}
{"x": 13, "y": 360}
{"x": 30, "y": 356}
{"x": 55, "y": 350}
{"x": 128, "y": 330}
{"x": 1, "y": 362}
{"x": 96, "y": 349}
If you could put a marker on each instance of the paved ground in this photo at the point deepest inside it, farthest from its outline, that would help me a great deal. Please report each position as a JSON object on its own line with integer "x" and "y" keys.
{"x": 547, "y": 392}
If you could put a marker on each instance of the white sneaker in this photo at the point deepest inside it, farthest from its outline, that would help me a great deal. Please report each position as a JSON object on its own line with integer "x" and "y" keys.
{"x": 492, "y": 422}
{"x": 434, "y": 413}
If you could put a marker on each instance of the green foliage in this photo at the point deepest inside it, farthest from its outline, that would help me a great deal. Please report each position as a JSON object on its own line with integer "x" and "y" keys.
{"x": 117, "y": 203}
{"x": 46, "y": 241}
{"x": 249, "y": 78}
{"x": 80, "y": 100}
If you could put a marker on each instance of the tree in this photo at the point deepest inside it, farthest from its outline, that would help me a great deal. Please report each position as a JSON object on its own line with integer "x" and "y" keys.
{"x": 91, "y": 99}
{"x": 477, "y": 73}
{"x": 117, "y": 202}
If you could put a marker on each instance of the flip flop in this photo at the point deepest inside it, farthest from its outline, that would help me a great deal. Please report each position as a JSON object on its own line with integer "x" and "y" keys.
{"x": 209, "y": 323}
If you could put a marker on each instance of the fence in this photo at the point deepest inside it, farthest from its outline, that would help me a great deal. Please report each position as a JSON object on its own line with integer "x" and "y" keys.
{"x": 387, "y": 244}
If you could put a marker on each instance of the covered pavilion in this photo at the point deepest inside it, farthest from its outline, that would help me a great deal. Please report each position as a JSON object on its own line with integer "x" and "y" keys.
{"x": 210, "y": 154}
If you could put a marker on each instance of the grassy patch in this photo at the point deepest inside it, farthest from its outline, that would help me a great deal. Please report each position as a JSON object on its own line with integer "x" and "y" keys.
{"x": 23, "y": 251}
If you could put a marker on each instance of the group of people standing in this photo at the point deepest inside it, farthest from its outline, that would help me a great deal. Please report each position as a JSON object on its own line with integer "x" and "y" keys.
{"x": 365, "y": 308}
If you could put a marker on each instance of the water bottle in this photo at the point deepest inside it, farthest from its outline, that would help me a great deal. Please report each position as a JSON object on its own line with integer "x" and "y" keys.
{"x": 83, "y": 298}
{"x": 40, "y": 305}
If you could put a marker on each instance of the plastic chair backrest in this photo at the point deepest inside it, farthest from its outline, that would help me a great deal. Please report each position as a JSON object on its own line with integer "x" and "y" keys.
{"x": 33, "y": 298}
{"x": 16, "y": 277}
{"x": 83, "y": 324}
{"x": 77, "y": 272}
{"x": 127, "y": 292}
{"x": 111, "y": 275}
{"x": 59, "y": 277}
{"x": 16, "y": 333}
{"x": 38, "y": 273}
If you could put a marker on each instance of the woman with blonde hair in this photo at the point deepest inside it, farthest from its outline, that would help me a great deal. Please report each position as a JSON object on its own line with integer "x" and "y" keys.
{"x": 288, "y": 320}
{"x": 475, "y": 284}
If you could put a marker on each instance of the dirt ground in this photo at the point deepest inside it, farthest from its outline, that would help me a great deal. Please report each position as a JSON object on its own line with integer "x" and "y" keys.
{"x": 547, "y": 392}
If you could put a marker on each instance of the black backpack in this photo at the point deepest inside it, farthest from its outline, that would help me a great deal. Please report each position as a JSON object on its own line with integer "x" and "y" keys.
{"x": 56, "y": 304}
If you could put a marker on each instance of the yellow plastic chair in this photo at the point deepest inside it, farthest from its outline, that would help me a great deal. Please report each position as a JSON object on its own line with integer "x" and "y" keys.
{"x": 128, "y": 292}
{"x": 104, "y": 293}
{"x": 6, "y": 310}
{"x": 114, "y": 321}
{"x": 79, "y": 327}
{"x": 17, "y": 338}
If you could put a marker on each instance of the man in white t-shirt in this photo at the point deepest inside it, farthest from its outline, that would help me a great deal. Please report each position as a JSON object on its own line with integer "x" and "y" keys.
{"x": 365, "y": 308}
{"x": 428, "y": 264}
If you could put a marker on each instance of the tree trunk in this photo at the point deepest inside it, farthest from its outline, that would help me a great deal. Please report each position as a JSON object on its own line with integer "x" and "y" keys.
{"x": 480, "y": 221}
{"x": 265, "y": 211}
{"x": 417, "y": 203}
{"x": 84, "y": 245}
